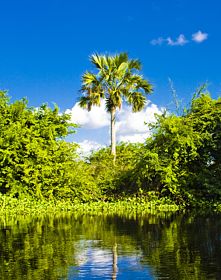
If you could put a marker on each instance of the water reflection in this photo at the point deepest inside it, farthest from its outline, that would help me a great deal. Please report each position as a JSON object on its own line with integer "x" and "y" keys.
{"x": 100, "y": 263}
{"x": 112, "y": 247}
{"x": 94, "y": 263}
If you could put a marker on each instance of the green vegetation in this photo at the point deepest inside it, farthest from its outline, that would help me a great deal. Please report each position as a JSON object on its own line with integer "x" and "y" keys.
{"x": 182, "y": 158}
{"x": 180, "y": 161}
{"x": 117, "y": 78}
{"x": 178, "y": 167}
{"x": 35, "y": 160}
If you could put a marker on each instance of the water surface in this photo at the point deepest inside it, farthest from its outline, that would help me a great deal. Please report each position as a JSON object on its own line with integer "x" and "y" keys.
{"x": 163, "y": 246}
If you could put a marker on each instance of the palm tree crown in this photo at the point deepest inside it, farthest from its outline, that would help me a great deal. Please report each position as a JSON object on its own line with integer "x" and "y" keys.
{"x": 117, "y": 79}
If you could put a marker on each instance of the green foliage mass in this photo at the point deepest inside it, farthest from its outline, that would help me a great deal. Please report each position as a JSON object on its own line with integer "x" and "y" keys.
{"x": 180, "y": 163}
{"x": 109, "y": 176}
{"x": 35, "y": 159}
{"x": 182, "y": 158}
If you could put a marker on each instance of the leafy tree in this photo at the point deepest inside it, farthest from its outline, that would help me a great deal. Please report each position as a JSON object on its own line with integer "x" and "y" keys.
{"x": 182, "y": 158}
{"x": 117, "y": 78}
{"x": 35, "y": 159}
{"x": 205, "y": 116}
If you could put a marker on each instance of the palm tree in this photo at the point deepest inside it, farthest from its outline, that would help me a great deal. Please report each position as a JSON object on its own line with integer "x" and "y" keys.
{"x": 117, "y": 79}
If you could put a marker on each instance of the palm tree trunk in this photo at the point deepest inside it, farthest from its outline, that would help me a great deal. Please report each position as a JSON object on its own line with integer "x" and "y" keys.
{"x": 113, "y": 133}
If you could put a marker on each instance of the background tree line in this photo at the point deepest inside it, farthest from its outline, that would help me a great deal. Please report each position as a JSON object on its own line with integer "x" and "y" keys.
{"x": 181, "y": 160}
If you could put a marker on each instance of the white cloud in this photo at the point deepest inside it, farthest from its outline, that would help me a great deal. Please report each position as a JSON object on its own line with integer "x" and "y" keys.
{"x": 126, "y": 119}
{"x": 100, "y": 257}
{"x": 96, "y": 118}
{"x": 135, "y": 122}
{"x": 134, "y": 138}
{"x": 87, "y": 146}
{"x": 180, "y": 41}
{"x": 199, "y": 37}
{"x": 133, "y": 127}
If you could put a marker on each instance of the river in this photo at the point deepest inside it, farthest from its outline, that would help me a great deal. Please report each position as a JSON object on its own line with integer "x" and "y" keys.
{"x": 69, "y": 246}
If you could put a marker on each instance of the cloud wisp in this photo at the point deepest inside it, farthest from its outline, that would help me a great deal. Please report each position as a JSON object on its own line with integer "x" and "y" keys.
{"x": 181, "y": 40}
{"x": 158, "y": 41}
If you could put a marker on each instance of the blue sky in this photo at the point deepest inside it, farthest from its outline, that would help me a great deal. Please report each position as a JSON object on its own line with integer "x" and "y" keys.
{"x": 45, "y": 46}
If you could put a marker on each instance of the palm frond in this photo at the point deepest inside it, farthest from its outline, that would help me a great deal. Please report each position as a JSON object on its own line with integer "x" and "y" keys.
{"x": 121, "y": 70}
{"x": 145, "y": 85}
{"x": 109, "y": 105}
{"x": 137, "y": 100}
{"x": 92, "y": 99}
{"x": 137, "y": 82}
{"x": 135, "y": 64}
{"x": 108, "y": 61}
{"x": 117, "y": 77}
{"x": 116, "y": 98}
{"x": 83, "y": 102}
{"x": 89, "y": 78}
{"x": 98, "y": 60}
{"x": 119, "y": 59}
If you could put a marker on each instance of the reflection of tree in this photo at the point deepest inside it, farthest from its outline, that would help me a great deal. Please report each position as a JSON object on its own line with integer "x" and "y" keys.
{"x": 187, "y": 248}
{"x": 37, "y": 250}
{"x": 171, "y": 257}
{"x": 179, "y": 247}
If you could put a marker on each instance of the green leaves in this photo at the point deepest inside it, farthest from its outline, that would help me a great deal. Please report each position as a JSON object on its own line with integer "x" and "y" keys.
{"x": 121, "y": 70}
{"x": 116, "y": 77}
{"x": 33, "y": 157}
{"x": 182, "y": 159}
{"x": 98, "y": 61}
{"x": 137, "y": 100}
{"x": 89, "y": 78}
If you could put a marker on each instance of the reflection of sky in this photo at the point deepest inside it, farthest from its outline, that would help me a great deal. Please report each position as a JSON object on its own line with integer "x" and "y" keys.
{"x": 130, "y": 268}
{"x": 96, "y": 263}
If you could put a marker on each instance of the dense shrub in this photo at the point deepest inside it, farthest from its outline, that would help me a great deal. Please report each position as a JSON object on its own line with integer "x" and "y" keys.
{"x": 35, "y": 159}
{"x": 182, "y": 157}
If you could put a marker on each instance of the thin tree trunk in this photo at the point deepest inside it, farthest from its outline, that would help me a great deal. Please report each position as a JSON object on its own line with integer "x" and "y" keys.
{"x": 113, "y": 133}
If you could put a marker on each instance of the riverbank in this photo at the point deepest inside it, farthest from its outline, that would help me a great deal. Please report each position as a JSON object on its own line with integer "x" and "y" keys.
{"x": 30, "y": 207}
{"x": 13, "y": 206}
